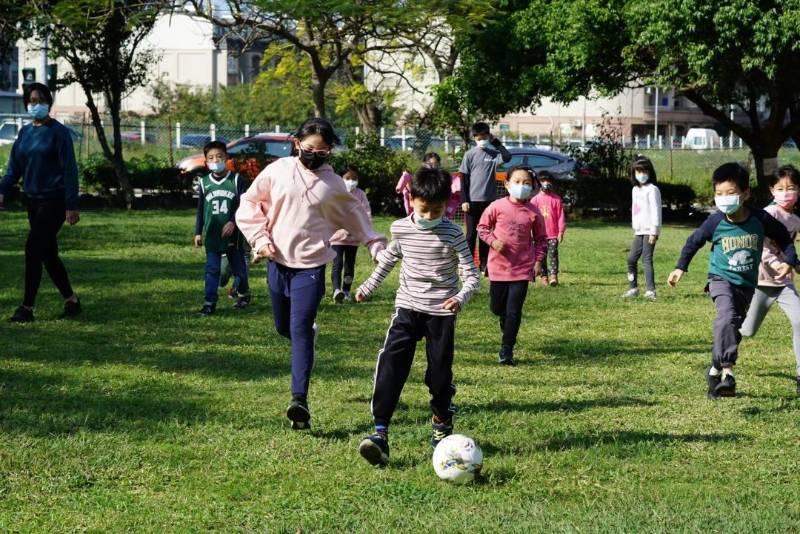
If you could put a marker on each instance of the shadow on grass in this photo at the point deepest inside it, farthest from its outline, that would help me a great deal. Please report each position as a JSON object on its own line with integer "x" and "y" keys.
{"x": 558, "y": 406}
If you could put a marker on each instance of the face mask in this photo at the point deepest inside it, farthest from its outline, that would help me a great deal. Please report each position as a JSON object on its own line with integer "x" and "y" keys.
{"x": 642, "y": 177}
{"x": 311, "y": 160}
{"x": 520, "y": 191}
{"x": 785, "y": 199}
{"x": 727, "y": 204}
{"x": 38, "y": 111}
{"x": 547, "y": 186}
{"x": 482, "y": 143}
{"x": 350, "y": 185}
{"x": 426, "y": 224}
{"x": 216, "y": 166}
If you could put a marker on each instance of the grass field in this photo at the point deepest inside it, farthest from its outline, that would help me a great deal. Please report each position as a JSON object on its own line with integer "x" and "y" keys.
{"x": 143, "y": 416}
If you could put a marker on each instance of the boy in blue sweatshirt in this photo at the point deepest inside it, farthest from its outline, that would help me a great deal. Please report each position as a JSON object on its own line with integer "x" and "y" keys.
{"x": 736, "y": 233}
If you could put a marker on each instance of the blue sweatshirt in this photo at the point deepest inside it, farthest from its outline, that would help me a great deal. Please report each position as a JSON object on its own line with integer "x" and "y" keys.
{"x": 43, "y": 156}
{"x": 736, "y": 247}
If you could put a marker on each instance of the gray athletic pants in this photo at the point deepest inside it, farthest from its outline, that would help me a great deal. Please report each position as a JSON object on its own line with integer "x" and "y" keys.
{"x": 763, "y": 299}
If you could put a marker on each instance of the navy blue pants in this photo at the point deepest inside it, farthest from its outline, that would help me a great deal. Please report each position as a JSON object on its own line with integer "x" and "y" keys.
{"x": 214, "y": 272}
{"x": 296, "y": 294}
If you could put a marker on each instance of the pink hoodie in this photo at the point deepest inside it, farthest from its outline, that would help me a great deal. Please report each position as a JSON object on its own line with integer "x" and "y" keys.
{"x": 520, "y": 226}
{"x": 298, "y": 210}
{"x": 404, "y": 187}
{"x": 552, "y": 208}
{"x": 342, "y": 236}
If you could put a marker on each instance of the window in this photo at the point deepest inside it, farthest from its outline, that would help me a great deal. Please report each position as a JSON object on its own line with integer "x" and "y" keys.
{"x": 253, "y": 147}
{"x": 278, "y": 148}
{"x": 539, "y": 161}
{"x": 516, "y": 159}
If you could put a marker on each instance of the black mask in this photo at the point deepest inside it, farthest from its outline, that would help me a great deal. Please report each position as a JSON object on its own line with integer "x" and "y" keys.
{"x": 546, "y": 186}
{"x": 311, "y": 159}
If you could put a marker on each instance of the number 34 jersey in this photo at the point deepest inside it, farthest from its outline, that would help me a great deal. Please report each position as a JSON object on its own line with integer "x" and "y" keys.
{"x": 220, "y": 200}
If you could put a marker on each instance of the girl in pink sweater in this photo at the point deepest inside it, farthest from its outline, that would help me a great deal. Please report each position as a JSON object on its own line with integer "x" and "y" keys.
{"x": 289, "y": 214}
{"x": 552, "y": 208}
{"x": 515, "y": 230}
{"x": 431, "y": 160}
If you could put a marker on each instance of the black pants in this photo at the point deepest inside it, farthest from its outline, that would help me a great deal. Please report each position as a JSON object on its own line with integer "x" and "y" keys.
{"x": 506, "y": 300}
{"x": 472, "y": 218}
{"x": 395, "y": 358}
{"x": 731, "y": 302}
{"x": 641, "y": 247}
{"x": 41, "y": 249}
{"x": 345, "y": 260}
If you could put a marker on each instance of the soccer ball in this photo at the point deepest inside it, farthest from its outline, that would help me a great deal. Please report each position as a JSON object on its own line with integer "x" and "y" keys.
{"x": 457, "y": 459}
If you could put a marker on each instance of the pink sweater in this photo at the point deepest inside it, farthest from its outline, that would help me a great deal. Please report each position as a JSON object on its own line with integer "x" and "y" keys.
{"x": 404, "y": 187}
{"x": 298, "y": 210}
{"x": 520, "y": 226}
{"x": 552, "y": 208}
{"x": 772, "y": 257}
{"x": 342, "y": 236}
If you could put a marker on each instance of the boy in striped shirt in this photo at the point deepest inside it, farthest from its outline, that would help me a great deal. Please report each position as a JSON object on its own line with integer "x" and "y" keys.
{"x": 434, "y": 256}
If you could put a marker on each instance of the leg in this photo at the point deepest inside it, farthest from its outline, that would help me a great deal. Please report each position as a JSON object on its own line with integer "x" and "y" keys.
{"x": 213, "y": 269}
{"x": 336, "y": 271}
{"x": 483, "y": 247}
{"x": 350, "y": 253}
{"x": 306, "y": 289}
{"x": 647, "y": 263}
{"x": 471, "y": 221}
{"x": 239, "y": 269}
{"x": 789, "y": 302}
{"x": 633, "y": 259}
{"x": 278, "y": 285}
{"x": 33, "y": 252}
{"x": 762, "y": 301}
{"x": 552, "y": 256}
{"x": 394, "y": 364}
{"x": 46, "y": 219}
{"x": 498, "y": 296}
{"x": 731, "y": 303}
{"x": 517, "y": 291}
{"x": 439, "y": 347}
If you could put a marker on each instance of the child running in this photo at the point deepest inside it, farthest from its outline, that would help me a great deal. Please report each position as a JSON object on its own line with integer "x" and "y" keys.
{"x": 345, "y": 246}
{"x": 288, "y": 215}
{"x": 646, "y": 222}
{"x": 515, "y": 230}
{"x": 215, "y": 226}
{"x": 431, "y": 160}
{"x": 434, "y": 256}
{"x": 551, "y": 206}
{"x": 737, "y": 234}
{"x": 784, "y": 186}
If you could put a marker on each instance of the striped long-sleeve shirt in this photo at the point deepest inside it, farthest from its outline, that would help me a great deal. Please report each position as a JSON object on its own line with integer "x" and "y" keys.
{"x": 432, "y": 262}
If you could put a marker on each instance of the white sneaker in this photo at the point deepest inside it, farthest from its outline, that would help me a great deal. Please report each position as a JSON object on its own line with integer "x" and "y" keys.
{"x": 650, "y": 295}
{"x": 347, "y": 296}
{"x": 338, "y": 296}
{"x": 631, "y": 293}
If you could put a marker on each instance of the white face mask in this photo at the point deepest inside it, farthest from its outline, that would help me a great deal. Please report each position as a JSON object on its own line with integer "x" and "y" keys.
{"x": 520, "y": 191}
{"x": 216, "y": 166}
{"x": 641, "y": 177}
{"x": 482, "y": 143}
{"x": 350, "y": 185}
{"x": 727, "y": 204}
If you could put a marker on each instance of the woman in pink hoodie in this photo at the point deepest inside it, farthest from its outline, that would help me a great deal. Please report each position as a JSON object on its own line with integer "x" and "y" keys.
{"x": 288, "y": 216}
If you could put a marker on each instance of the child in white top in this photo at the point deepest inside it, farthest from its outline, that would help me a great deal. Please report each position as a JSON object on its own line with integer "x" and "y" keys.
{"x": 646, "y": 222}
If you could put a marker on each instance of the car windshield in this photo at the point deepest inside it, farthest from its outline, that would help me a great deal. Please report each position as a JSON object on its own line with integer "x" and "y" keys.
{"x": 271, "y": 148}
{"x": 279, "y": 148}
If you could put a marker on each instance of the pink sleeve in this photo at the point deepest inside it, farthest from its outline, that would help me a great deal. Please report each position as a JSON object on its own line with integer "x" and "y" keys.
{"x": 770, "y": 259}
{"x": 486, "y": 225}
{"x": 365, "y": 203}
{"x": 345, "y": 211}
{"x": 251, "y": 217}
{"x": 562, "y": 220}
{"x": 404, "y": 180}
{"x": 539, "y": 236}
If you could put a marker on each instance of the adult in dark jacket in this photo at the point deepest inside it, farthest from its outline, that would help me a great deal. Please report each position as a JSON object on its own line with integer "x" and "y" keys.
{"x": 44, "y": 158}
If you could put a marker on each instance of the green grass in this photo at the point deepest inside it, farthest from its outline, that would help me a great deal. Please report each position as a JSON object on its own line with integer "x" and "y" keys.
{"x": 141, "y": 415}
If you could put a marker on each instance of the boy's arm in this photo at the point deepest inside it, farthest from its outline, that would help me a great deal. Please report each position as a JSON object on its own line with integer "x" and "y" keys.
{"x": 199, "y": 218}
{"x": 776, "y": 231}
{"x": 467, "y": 271}
{"x": 387, "y": 259}
{"x": 486, "y": 225}
{"x": 505, "y": 155}
{"x": 698, "y": 238}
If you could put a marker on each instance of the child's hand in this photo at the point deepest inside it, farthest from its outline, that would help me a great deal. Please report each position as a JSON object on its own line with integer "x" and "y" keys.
{"x": 265, "y": 253}
{"x": 498, "y": 245}
{"x": 465, "y": 207}
{"x": 652, "y": 239}
{"x": 452, "y": 305}
{"x": 784, "y": 269}
{"x": 198, "y": 241}
{"x": 360, "y": 297}
{"x": 560, "y": 238}
{"x": 537, "y": 269}
{"x": 674, "y": 277}
{"x": 228, "y": 229}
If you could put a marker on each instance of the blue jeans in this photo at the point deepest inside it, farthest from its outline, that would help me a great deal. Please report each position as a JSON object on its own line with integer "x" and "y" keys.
{"x": 214, "y": 268}
{"x": 296, "y": 294}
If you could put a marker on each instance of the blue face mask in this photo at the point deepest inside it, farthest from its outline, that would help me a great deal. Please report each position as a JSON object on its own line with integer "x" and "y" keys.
{"x": 38, "y": 111}
{"x": 727, "y": 204}
{"x": 642, "y": 177}
{"x": 520, "y": 191}
{"x": 426, "y": 224}
{"x": 216, "y": 166}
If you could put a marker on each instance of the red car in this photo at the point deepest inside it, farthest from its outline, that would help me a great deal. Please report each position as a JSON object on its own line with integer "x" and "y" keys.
{"x": 248, "y": 156}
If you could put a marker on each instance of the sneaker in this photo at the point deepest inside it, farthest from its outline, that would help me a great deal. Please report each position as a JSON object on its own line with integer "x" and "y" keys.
{"x": 207, "y": 309}
{"x": 713, "y": 382}
{"x": 553, "y": 280}
{"x": 506, "y": 356}
{"x": 298, "y": 414}
{"x": 375, "y": 449}
{"x": 631, "y": 293}
{"x": 71, "y": 309}
{"x": 650, "y": 294}
{"x": 348, "y": 297}
{"x": 22, "y": 315}
{"x": 440, "y": 430}
{"x": 727, "y": 387}
{"x": 242, "y": 301}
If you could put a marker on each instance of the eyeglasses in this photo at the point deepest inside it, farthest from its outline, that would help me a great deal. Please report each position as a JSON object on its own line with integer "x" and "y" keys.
{"x": 325, "y": 152}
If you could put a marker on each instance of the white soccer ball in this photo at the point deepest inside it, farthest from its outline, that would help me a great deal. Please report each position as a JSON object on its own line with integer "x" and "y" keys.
{"x": 457, "y": 459}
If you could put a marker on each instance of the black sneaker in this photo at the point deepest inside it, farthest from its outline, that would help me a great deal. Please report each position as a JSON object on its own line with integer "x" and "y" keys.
{"x": 242, "y": 301}
{"x": 506, "y": 356}
{"x": 298, "y": 414}
{"x": 71, "y": 309}
{"x": 207, "y": 309}
{"x": 727, "y": 387}
{"x": 22, "y": 315}
{"x": 375, "y": 449}
{"x": 713, "y": 382}
{"x": 440, "y": 430}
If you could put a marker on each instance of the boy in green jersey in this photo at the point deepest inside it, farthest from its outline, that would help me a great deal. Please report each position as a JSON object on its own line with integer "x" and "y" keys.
{"x": 215, "y": 226}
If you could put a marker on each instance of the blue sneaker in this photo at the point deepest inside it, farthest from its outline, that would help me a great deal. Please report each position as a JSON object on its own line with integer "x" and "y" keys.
{"x": 375, "y": 449}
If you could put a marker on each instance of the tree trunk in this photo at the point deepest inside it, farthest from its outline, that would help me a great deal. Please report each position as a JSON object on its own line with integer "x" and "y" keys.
{"x": 765, "y": 161}
{"x": 115, "y": 156}
{"x": 370, "y": 116}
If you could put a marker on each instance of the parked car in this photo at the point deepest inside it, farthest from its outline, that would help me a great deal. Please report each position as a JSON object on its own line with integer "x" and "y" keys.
{"x": 701, "y": 139}
{"x": 198, "y": 140}
{"x": 135, "y": 136}
{"x": 561, "y": 166}
{"x": 10, "y": 129}
{"x": 248, "y": 156}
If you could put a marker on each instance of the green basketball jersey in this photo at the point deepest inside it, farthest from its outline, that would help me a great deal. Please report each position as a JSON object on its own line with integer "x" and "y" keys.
{"x": 219, "y": 203}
